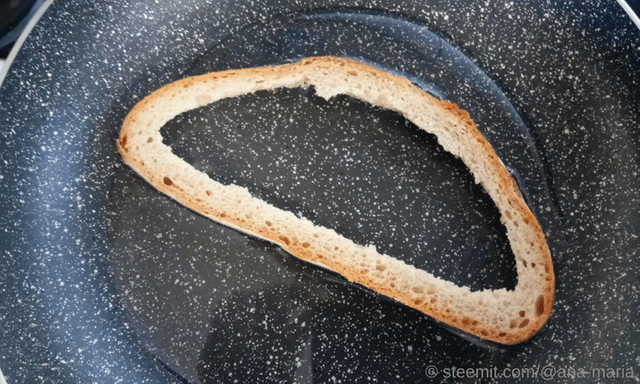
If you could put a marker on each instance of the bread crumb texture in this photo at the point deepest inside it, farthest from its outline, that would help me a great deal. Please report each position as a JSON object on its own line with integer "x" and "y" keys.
{"x": 502, "y": 316}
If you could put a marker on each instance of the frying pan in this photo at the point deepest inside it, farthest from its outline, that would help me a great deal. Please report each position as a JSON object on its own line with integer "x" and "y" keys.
{"x": 105, "y": 280}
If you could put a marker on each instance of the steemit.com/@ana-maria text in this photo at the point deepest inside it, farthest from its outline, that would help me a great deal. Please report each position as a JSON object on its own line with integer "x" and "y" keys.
{"x": 546, "y": 372}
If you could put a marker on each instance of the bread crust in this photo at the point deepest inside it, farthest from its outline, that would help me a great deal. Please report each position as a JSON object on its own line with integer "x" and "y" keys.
{"x": 506, "y": 317}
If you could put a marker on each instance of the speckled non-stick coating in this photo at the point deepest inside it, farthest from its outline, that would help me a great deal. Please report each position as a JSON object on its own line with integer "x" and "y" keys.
{"x": 104, "y": 280}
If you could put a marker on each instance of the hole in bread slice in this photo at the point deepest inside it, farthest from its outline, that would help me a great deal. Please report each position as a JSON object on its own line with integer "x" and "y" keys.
{"x": 332, "y": 162}
{"x": 497, "y": 318}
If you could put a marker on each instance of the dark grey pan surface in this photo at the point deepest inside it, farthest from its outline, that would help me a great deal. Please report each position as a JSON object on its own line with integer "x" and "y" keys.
{"x": 103, "y": 279}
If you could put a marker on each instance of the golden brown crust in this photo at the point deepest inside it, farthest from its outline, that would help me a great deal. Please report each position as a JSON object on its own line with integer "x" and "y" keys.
{"x": 500, "y": 185}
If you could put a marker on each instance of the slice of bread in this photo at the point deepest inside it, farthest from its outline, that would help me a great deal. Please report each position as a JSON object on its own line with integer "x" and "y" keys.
{"x": 503, "y": 316}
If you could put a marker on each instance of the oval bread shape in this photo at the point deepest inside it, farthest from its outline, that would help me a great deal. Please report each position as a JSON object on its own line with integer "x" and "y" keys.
{"x": 506, "y": 317}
